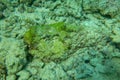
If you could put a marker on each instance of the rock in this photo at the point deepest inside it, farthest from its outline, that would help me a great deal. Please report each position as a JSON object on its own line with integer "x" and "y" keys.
{"x": 2, "y": 6}
{"x": 11, "y": 77}
{"x": 23, "y": 75}
{"x": 1, "y": 15}
{"x": 16, "y": 56}
{"x": 53, "y": 71}
{"x": 116, "y": 64}
{"x": 108, "y": 8}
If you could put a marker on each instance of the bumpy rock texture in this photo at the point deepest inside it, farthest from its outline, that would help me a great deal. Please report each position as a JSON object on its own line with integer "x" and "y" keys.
{"x": 94, "y": 50}
{"x": 108, "y": 8}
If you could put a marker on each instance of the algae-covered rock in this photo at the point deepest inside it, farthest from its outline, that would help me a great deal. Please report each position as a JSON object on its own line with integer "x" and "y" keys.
{"x": 50, "y": 42}
{"x": 116, "y": 36}
{"x": 116, "y": 62}
{"x": 12, "y": 57}
{"x": 15, "y": 58}
{"x": 53, "y": 71}
{"x": 108, "y": 8}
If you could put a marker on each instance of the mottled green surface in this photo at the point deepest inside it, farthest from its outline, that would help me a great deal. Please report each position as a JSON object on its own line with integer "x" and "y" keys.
{"x": 90, "y": 54}
{"x": 50, "y": 42}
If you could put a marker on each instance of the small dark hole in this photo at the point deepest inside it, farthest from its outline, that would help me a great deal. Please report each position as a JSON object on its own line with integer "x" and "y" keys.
{"x": 87, "y": 61}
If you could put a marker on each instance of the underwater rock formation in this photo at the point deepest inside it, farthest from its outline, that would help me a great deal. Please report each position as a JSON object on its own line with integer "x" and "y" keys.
{"x": 59, "y": 40}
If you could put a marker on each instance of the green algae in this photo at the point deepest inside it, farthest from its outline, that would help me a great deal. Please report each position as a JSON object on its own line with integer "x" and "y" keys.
{"x": 50, "y": 42}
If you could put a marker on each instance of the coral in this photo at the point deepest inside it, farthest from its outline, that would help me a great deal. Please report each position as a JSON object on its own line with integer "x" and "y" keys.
{"x": 116, "y": 36}
{"x": 49, "y": 42}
